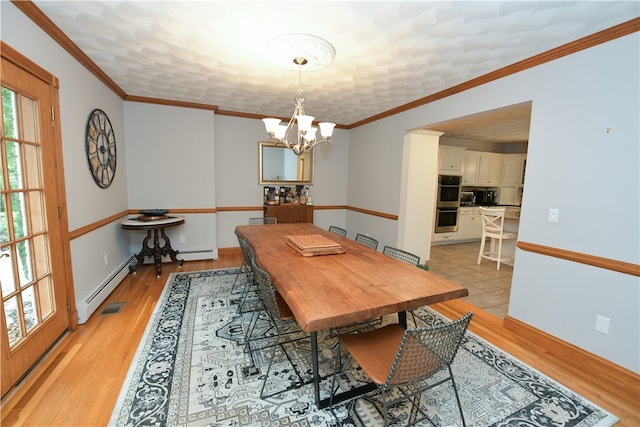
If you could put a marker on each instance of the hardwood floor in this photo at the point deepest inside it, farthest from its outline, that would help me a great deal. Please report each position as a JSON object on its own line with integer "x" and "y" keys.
{"x": 79, "y": 381}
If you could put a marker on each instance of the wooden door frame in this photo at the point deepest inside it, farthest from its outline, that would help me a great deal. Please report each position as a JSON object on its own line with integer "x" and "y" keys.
{"x": 65, "y": 274}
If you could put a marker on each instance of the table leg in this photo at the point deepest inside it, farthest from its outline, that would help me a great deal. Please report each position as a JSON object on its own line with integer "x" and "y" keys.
{"x": 168, "y": 250}
{"x": 144, "y": 252}
{"x": 314, "y": 366}
{"x": 156, "y": 252}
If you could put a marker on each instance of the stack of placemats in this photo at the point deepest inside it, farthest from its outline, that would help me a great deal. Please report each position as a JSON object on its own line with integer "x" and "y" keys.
{"x": 314, "y": 245}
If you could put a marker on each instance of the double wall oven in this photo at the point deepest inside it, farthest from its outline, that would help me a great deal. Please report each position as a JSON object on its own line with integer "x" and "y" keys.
{"x": 448, "y": 203}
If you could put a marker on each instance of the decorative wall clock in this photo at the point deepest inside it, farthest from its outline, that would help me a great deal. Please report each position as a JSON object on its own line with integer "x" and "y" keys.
{"x": 101, "y": 148}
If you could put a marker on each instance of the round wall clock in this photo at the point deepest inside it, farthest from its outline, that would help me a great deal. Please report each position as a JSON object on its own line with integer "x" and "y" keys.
{"x": 101, "y": 148}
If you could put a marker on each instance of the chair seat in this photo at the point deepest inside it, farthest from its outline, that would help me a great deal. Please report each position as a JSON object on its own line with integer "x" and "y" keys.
{"x": 375, "y": 350}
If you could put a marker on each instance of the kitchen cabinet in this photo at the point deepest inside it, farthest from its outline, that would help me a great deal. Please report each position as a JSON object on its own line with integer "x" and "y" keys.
{"x": 450, "y": 160}
{"x": 470, "y": 164}
{"x": 482, "y": 169}
{"x": 469, "y": 224}
{"x": 490, "y": 169}
{"x": 512, "y": 169}
{"x": 290, "y": 212}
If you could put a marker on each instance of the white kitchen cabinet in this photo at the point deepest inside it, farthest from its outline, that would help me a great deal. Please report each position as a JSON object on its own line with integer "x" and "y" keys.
{"x": 450, "y": 160}
{"x": 482, "y": 169}
{"x": 470, "y": 163}
{"x": 490, "y": 169}
{"x": 512, "y": 169}
{"x": 469, "y": 224}
{"x": 509, "y": 195}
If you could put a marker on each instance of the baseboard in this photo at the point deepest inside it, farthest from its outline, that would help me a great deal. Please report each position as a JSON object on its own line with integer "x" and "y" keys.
{"x": 595, "y": 365}
{"x": 229, "y": 251}
{"x": 98, "y": 294}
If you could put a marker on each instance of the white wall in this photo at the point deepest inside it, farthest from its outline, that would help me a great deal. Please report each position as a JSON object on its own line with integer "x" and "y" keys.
{"x": 573, "y": 165}
{"x": 171, "y": 165}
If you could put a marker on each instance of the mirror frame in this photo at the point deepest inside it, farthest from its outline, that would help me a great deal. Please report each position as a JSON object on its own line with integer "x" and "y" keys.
{"x": 267, "y": 144}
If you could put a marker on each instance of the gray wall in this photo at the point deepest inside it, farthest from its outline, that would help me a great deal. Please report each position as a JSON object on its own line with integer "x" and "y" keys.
{"x": 573, "y": 165}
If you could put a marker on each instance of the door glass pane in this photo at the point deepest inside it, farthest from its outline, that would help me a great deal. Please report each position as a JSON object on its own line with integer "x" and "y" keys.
{"x": 9, "y": 113}
{"x": 18, "y": 208}
{"x": 14, "y": 165}
{"x": 40, "y": 251}
{"x": 28, "y": 119}
{"x": 14, "y": 327}
{"x": 32, "y": 168}
{"x": 24, "y": 263}
{"x": 4, "y": 222}
{"x": 35, "y": 211}
{"x": 6, "y": 271}
{"x": 45, "y": 297}
{"x": 29, "y": 308}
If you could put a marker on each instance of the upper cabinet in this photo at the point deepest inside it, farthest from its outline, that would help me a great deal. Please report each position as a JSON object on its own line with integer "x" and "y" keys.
{"x": 470, "y": 164}
{"x": 450, "y": 160}
{"x": 513, "y": 169}
{"x": 490, "y": 169}
{"x": 481, "y": 169}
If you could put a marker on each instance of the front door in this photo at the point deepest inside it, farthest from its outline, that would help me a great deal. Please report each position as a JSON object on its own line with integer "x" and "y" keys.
{"x": 34, "y": 275}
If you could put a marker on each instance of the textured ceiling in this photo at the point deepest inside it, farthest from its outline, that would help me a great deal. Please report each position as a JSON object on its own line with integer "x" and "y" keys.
{"x": 388, "y": 53}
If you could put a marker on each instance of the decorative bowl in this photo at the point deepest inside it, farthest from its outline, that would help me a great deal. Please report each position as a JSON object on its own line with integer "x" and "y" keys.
{"x": 154, "y": 212}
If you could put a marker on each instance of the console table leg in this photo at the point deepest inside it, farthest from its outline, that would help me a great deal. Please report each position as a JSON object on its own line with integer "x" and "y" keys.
{"x": 144, "y": 252}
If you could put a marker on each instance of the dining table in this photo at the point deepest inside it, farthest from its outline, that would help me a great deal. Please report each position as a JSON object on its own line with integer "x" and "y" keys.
{"x": 330, "y": 289}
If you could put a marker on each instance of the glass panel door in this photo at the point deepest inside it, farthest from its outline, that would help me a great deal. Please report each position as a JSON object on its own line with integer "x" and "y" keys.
{"x": 27, "y": 296}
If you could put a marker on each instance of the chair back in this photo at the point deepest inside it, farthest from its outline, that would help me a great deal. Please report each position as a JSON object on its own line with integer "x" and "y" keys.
{"x": 424, "y": 351}
{"x": 401, "y": 255}
{"x": 274, "y": 305}
{"x": 492, "y": 221}
{"x": 265, "y": 220}
{"x": 338, "y": 230}
{"x": 366, "y": 240}
{"x": 247, "y": 250}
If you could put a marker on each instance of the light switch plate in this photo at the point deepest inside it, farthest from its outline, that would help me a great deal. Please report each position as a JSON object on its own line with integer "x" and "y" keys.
{"x": 554, "y": 214}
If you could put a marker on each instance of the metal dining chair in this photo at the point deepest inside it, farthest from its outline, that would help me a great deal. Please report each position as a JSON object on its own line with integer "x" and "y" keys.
{"x": 403, "y": 362}
{"x": 338, "y": 230}
{"x": 401, "y": 255}
{"x": 367, "y": 240}
{"x": 286, "y": 327}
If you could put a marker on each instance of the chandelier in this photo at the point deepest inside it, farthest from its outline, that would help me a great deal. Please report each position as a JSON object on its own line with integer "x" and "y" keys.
{"x": 313, "y": 53}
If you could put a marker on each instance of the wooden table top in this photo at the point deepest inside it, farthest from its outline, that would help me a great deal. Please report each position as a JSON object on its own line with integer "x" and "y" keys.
{"x": 334, "y": 290}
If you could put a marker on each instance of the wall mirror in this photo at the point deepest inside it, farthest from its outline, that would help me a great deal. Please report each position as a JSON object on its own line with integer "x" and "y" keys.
{"x": 280, "y": 165}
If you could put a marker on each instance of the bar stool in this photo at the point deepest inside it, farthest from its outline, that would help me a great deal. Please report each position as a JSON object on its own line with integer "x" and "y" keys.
{"x": 493, "y": 228}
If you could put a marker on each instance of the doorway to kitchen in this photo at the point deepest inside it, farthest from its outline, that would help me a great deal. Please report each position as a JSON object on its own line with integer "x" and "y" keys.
{"x": 492, "y": 147}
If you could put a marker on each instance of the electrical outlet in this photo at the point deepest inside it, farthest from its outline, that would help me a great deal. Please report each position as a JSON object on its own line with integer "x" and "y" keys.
{"x": 106, "y": 259}
{"x": 602, "y": 324}
{"x": 183, "y": 238}
{"x": 554, "y": 214}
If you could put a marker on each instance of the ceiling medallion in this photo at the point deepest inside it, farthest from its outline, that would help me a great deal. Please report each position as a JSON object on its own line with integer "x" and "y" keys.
{"x": 295, "y": 51}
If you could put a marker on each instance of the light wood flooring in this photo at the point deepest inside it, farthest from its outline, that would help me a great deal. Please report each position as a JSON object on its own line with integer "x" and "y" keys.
{"x": 488, "y": 288}
{"x": 79, "y": 381}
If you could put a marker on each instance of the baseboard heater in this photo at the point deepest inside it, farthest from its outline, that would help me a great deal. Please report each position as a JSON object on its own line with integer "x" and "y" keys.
{"x": 197, "y": 254}
{"x": 88, "y": 305}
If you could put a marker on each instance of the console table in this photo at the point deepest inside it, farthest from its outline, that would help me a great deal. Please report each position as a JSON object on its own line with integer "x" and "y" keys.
{"x": 156, "y": 251}
{"x": 290, "y": 212}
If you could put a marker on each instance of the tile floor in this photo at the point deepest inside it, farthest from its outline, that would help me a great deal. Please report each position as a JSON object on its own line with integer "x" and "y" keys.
{"x": 488, "y": 288}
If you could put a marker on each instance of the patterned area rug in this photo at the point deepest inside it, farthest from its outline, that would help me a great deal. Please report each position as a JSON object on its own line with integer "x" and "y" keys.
{"x": 194, "y": 368}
